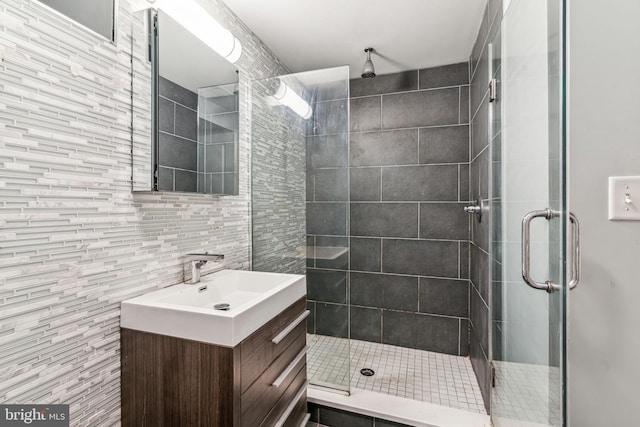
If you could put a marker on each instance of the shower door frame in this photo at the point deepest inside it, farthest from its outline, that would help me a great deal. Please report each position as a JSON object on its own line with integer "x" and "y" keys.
{"x": 529, "y": 327}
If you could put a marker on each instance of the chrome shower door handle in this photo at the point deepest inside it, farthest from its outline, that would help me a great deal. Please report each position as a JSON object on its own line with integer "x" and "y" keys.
{"x": 526, "y": 249}
{"x": 575, "y": 254}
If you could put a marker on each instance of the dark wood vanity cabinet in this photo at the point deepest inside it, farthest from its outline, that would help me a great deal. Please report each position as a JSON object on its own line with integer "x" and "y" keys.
{"x": 168, "y": 381}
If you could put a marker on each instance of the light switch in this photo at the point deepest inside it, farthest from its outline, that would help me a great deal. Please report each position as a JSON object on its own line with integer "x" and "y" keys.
{"x": 624, "y": 198}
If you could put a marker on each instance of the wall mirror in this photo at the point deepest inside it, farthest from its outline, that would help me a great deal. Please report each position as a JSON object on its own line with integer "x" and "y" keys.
{"x": 185, "y": 135}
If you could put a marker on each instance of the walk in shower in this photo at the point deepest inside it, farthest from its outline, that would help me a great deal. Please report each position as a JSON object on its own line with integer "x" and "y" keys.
{"x": 368, "y": 202}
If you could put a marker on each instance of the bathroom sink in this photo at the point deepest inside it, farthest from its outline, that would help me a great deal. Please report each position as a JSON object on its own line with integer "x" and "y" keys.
{"x": 189, "y": 310}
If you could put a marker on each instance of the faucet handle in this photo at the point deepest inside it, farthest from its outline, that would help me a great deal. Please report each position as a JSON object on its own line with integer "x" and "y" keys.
{"x": 205, "y": 256}
{"x": 196, "y": 261}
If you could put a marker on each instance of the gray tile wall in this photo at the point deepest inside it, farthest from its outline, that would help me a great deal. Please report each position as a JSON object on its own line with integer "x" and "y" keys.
{"x": 406, "y": 279}
{"x": 75, "y": 240}
{"x": 327, "y": 155}
{"x": 479, "y": 184}
{"x": 177, "y": 138}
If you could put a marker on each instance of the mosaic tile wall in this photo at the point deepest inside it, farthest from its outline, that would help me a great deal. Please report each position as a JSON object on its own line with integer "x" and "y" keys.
{"x": 278, "y": 183}
{"x": 75, "y": 241}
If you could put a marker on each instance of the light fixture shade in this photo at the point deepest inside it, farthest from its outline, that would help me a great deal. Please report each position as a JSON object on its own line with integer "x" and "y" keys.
{"x": 368, "y": 71}
{"x": 197, "y": 20}
{"x": 288, "y": 97}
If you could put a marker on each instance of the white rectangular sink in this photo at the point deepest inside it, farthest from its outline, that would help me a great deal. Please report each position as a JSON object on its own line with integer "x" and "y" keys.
{"x": 187, "y": 310}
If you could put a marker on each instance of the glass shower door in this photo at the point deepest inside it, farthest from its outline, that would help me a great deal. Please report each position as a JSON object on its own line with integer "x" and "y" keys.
{"x": 529, "y": 217}
{"x": 300, "y": 204}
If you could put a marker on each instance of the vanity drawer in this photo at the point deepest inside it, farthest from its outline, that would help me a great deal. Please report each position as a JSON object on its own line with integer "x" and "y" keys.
{"x": 267, "y": 390}
{"x": 287, "y": 408}
{"x": 297, "y": 417}
{"x": 258, "y": 351}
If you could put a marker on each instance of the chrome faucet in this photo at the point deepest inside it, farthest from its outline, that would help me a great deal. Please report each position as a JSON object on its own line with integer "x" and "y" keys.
{"x": 198, "y": 260}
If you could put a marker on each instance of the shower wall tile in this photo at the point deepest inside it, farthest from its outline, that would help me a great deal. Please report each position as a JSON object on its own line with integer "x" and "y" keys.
{"x": 332, "y": 320}
{"x": 178, "y": 137}
{"x": 327, "y": 218}
{"x": 464, "y": 259}
{"x": 448, "y": 144}
{"x": 421, "y": 331}
{"x": 327, "y": 286}
{"x": 384, "y": 219}
{"x": 420, "y": 109}
{"x": 447, "y": 75}
{"x": 213, "y": 156}
{"x": 479, "y": 313}
{"x": 186, "y": 123}
{"x": 331, "y": 185}
{"x": 186, "y": 181}
{"x": 366, "y": 184}
{"x": 399, "y": 147}
{"x": 481, "y": 153}
{"x": 463, "y": 187}
{"x": 365, "y": 254}
{"x": 327, "y": 151}
{"x": 464, "y": 104}
{"x": 446, "y": 221}
{"x": 88, "y": 240}
{"x": 166, "y": 115}
{"x": 480, "y": 82}
{"x": 366, "y": 324}
{"x": 464, "y": 338}
{"x": 420, "y": 257}
{"x": 384, "y": 291}
{"x": 480, "y": 175}
{"x": 176, "y": 152}
{"x": 178, "y": 94}
{"x": 444, "y": 296}
{"x": 420, "y": 159}
{"x": 480, "y": 271}
{"x": 481, "y": 367}
{"x": 328, "y": 117}
{"x": 480, "y": 232}
{"x": 480, "y": 130}
{"x": 420, "y": 183}
{"x": 386, "y": 83}
{"x": 165, "y": 179}
{"x": 365, "y": 113}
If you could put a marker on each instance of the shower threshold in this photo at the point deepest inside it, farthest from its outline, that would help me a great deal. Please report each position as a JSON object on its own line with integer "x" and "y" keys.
{"x": 409, "y": 386}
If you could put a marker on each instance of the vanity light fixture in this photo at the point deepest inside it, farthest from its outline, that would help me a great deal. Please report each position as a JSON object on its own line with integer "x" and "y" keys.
{"x": 288, "y": 97}
{"x": 197, "y": 20}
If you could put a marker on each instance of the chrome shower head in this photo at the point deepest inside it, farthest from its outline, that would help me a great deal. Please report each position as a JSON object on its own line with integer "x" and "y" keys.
{"x": 368, "y": 72}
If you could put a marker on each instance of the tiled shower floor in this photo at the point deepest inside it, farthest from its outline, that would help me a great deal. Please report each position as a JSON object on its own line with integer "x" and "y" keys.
{"x": 420, "y": 375}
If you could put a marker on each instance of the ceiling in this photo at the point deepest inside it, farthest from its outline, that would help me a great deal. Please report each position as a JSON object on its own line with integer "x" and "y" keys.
{"x": 406, "y": 34}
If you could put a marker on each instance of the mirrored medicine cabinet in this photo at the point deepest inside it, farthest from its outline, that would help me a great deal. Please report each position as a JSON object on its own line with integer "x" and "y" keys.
{"x": 185, "y": 104}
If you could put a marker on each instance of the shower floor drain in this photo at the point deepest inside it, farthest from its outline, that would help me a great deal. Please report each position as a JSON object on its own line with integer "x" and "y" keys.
{"x": 367, "y": 372}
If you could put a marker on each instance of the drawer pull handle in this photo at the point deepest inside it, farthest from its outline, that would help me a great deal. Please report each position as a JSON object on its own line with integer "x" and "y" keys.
{"x": 292, "y": 405}
{"x": 283, "y": 376}
{"x": 286, "y": 331}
